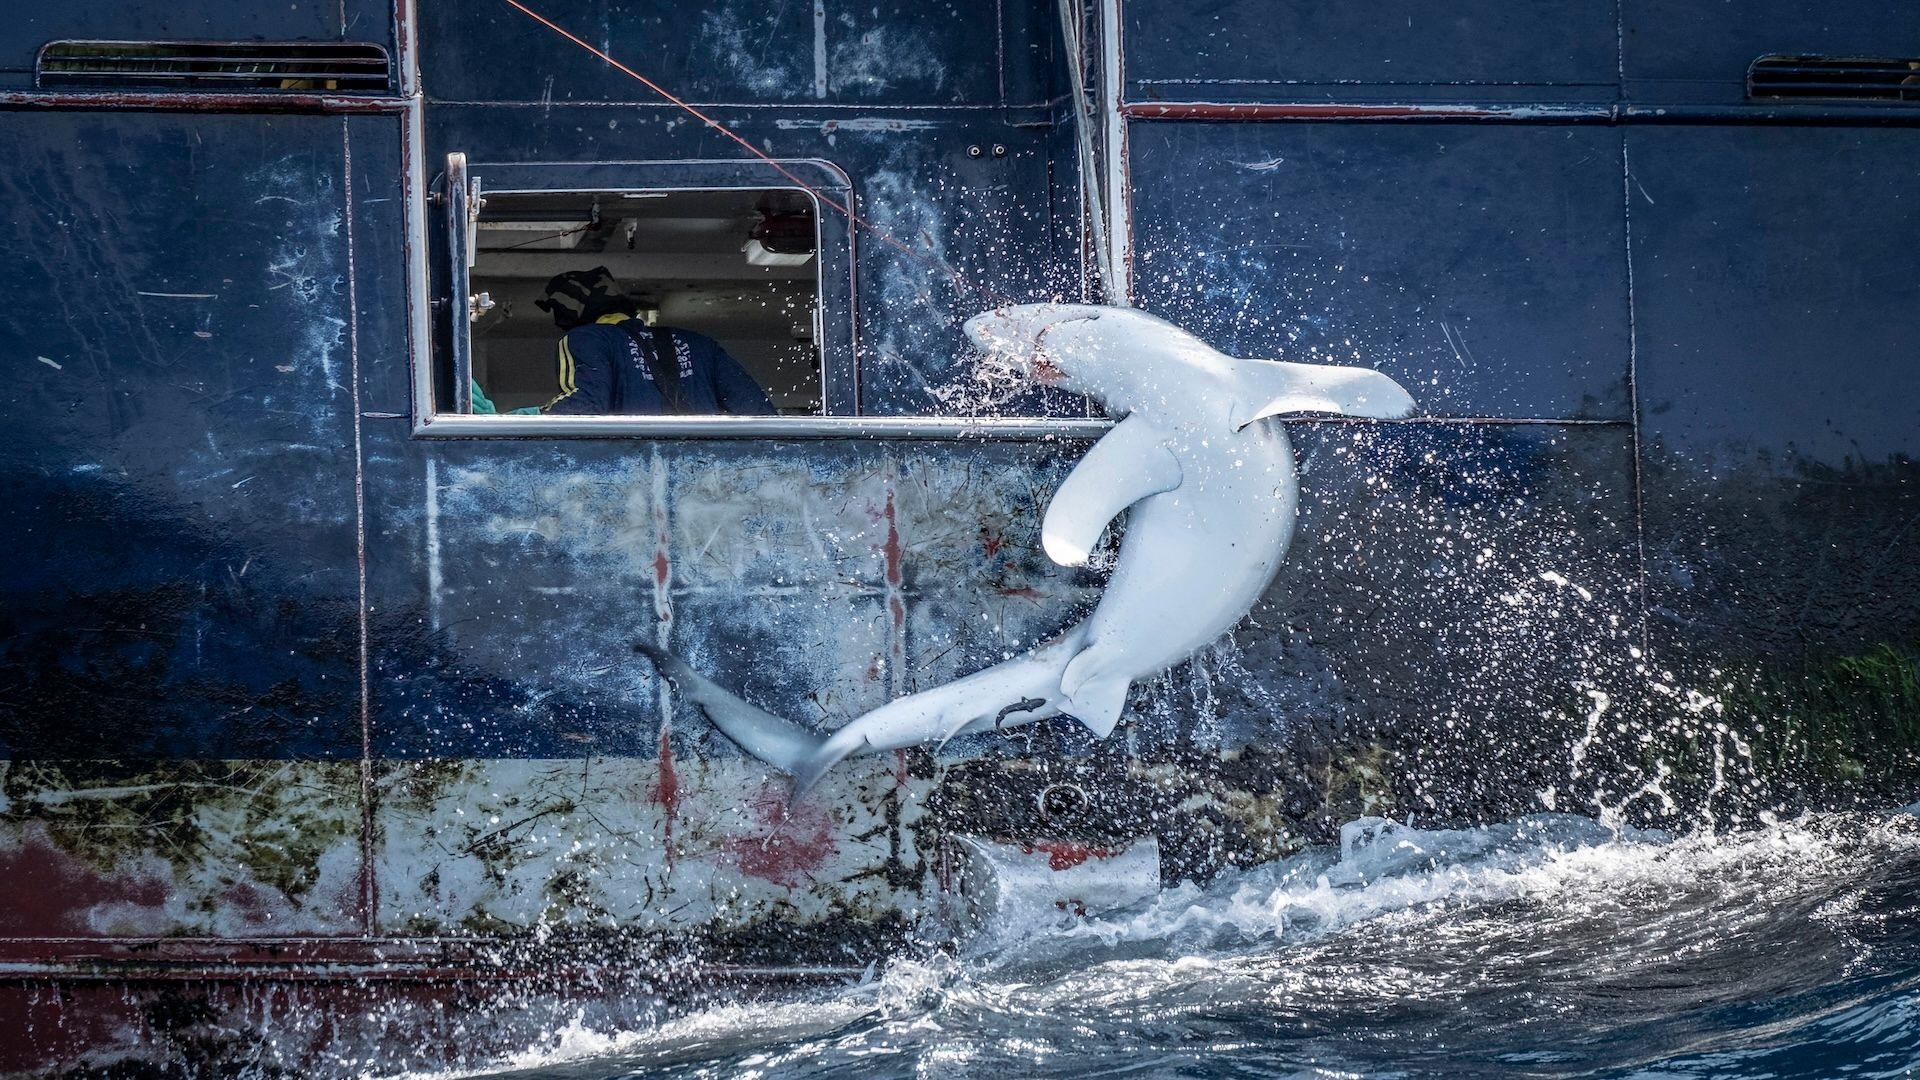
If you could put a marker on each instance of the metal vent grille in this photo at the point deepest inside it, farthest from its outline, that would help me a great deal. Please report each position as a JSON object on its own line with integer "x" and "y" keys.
{"x": 215, "y": 65}
{"x": 1852, "y": 78}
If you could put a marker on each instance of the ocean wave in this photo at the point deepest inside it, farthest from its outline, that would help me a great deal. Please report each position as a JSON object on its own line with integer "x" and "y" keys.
{"x": 1547, "y": 945}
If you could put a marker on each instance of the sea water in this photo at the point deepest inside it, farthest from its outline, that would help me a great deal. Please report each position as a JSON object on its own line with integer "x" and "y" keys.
{"x": 1547, "y": 946}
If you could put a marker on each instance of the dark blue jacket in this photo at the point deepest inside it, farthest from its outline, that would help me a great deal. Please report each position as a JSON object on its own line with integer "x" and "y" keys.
{"x": 601, "y": 371}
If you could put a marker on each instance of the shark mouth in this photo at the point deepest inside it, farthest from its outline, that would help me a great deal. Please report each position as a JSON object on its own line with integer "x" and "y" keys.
{"x": 999, "y": 375}
{"x": 1007, "y": 367}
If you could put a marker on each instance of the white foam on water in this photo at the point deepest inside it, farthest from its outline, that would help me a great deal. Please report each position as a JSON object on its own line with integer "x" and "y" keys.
{"x": 1567, "y": 864}
{"x": 1382, "y": 868}
{"x": 731, "y": 1024}
{"x": 1391, "y": 895}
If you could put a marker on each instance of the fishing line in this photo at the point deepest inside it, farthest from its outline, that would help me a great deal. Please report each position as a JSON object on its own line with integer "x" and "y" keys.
{"x": 845, "y": 211}
{"x": 544, "y": 239}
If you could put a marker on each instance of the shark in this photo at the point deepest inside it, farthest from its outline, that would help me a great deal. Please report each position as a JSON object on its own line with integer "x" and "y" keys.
{"x": 1203, "y": 472}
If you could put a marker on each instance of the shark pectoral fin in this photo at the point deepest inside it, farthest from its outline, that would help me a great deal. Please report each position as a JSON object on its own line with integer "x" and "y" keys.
{"x": 1273, "y": 387}
{"x": 1128, "y": 464}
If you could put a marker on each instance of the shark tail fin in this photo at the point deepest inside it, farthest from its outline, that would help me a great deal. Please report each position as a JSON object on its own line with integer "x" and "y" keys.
{"x": 1276, "y": 386}
{"x": 832, "y": 750}
{"x": 781, "y": 743}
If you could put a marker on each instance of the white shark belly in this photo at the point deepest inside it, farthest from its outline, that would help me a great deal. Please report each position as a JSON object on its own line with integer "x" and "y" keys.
{"x": 1192, "y": 563}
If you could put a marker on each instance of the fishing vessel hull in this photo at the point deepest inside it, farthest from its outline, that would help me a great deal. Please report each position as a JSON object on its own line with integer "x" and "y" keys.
{"x": 319, "y": 700}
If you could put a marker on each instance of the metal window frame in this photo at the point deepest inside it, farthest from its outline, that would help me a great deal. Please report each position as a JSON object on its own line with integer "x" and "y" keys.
{"x": 838, "y": 363}
{"x": 838, "y": 299}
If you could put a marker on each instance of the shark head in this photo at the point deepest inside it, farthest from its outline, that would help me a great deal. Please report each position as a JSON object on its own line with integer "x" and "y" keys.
{"x": 1119, "y": 356}
{"x": 1131, "y": 361}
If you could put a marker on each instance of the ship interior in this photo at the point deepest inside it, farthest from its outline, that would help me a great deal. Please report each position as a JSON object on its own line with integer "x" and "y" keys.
{"x": 738, "y": 265}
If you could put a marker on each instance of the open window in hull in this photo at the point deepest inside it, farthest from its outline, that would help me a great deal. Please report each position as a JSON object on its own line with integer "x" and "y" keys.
{"x": 734, "y": 265}
{"x": 649, "y": 295}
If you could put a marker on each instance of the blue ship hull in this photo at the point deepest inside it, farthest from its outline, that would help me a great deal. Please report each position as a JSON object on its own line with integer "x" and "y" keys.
{"x": 300, "y": 689}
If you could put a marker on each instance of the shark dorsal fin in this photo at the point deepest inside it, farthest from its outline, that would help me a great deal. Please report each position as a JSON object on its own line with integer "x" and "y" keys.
{"x": 1273, "y": 387}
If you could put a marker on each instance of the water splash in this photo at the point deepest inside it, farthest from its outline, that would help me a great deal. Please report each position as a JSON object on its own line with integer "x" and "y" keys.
{"x": 1550, "y": 943}
{"x": 983, "y": 384}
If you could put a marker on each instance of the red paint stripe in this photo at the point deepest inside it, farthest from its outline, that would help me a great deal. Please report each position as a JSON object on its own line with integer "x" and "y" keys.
{"x": 1210, "y": 110}
{"x": 893, "y": 554}
{"x": 891, "y": 549}
{"x": 666, "y": 788}
{"x": 662, "y": 563}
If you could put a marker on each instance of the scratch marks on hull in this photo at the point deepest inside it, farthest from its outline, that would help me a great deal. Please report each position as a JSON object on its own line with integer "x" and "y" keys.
{"x": 435, "y": 576}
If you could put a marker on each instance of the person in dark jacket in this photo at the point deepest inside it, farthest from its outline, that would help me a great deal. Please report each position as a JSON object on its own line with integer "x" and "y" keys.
{"x": 610, "y": 362}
